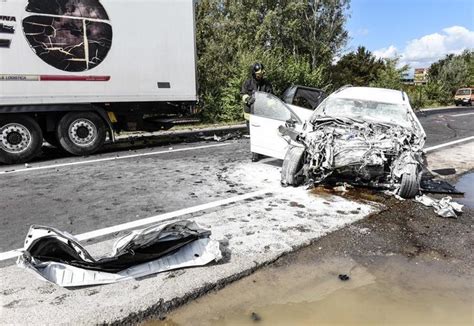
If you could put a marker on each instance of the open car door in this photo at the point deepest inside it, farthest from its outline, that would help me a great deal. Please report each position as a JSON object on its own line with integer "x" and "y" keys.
{"x": 302, "y": 96}
{"x": 267, "y": 114}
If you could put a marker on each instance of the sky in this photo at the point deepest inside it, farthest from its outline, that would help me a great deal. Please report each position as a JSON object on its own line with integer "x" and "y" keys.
{"x": 420, "y": 32}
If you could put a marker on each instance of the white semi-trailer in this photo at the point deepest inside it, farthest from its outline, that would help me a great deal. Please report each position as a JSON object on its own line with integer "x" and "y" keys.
{"x": 73, "y": 71}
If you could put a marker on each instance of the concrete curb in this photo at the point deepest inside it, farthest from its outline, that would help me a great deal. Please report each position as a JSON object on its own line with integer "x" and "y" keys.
{"x": 442, "y": 109}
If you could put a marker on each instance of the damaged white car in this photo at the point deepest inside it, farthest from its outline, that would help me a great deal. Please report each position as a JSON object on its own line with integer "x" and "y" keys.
{"x": 361, "y": 135}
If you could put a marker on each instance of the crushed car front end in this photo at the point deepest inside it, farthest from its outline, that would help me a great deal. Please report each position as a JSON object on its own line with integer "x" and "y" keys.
{"x": 363, "y": 148}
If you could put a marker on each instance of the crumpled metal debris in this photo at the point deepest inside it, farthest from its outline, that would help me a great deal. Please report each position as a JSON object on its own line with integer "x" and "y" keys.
{"x": 343, "y": 188}
{"x": 394, "y": 193}
{"x": 365, "y": 150}
{"x": 444, "y": 207}
{"x": 438, "y": 187}
{"x": 445, "y": 171}
{"x": 229, "y": 136}
{"x": 59, "y": 258}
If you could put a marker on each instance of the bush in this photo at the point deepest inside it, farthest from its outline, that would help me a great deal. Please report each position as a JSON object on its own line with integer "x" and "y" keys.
{"x": 281, "y": 70}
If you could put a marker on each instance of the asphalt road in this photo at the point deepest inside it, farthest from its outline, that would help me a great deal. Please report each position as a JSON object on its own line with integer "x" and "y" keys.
{"x": 442, "y": 126}
{"x": 85, "y": 197}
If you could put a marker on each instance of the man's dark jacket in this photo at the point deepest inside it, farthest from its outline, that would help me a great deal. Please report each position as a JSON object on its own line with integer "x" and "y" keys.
{"x": 252, "y": 85}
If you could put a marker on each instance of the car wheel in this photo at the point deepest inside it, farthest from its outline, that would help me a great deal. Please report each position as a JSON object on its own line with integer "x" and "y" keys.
{"x": 410, "y": 182}
{"x": 81, "y": 133}
{"x": 292, "y": 164}
{"x": 20, "y": 139}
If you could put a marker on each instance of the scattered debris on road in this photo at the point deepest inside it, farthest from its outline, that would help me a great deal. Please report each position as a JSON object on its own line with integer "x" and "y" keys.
{"x": 344, "y": 277}
{"x": 59, "y": 258}
{"x": 444, "y": 207}
{"x": 255, "y": 317}
{"x": 435, "y": 186}
{"x": 444, "y": 172}
{"x": 228, "y": 136}
{"x": 343, "y": 188}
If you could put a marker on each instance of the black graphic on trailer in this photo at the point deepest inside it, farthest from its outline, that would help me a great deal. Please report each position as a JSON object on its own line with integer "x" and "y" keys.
{"x": 4, "y": 43}
{"x": 71, "y": 35}
{"x": 7, "y": 29}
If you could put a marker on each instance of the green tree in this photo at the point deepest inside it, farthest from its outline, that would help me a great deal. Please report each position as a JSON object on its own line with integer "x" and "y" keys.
{"x": 447, "y": 75}
{"x": 296, "y": 40}
{"x": 437, "y": 92}
{"x": 391, "y": 75}
{"x": 358, "y": 68}
{"x": 454, "y": 71}
{"x": 283, "y": 70}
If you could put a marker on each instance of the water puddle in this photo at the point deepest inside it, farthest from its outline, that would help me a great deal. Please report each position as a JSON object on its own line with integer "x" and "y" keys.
{"x": 388, "y": 290}
{"x": 466, "y": 185}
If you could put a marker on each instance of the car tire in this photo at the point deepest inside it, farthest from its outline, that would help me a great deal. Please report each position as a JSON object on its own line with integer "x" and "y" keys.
{"x": 292, "y": 164}
{"x": 20, "y": 139}
{"x": 81, "y": 133}
{"x": 410, "y": 182}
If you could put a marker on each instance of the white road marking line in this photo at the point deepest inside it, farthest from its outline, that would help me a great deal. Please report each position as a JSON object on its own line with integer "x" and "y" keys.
{"x": 433, "y": 148}
{"x": 461, "y": 115}
{"x": 111, "y": 159}
{"x": 149, "y": 220}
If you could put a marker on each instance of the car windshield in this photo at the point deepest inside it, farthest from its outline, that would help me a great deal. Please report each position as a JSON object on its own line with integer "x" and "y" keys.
{"x": 363, "y": 110}
{"x": 463, "y": 92}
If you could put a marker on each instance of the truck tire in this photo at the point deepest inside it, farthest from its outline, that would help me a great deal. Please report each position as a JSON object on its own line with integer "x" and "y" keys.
{"x": 81, "y": 133}
{"x": 20, "y": 139}
{"x": 410, "y": 183}
{"x": 292, "y": 164}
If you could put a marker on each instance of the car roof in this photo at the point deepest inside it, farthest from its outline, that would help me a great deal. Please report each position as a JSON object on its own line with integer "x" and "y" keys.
{"x": 375, "y": 94}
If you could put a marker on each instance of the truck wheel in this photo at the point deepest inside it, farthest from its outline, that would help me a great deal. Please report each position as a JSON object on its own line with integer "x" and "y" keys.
{"x": 20, "y": 139}
{"x": 410, "y": 183}
{"x": 291, "y": 166}
{"x": 81, "y": 133}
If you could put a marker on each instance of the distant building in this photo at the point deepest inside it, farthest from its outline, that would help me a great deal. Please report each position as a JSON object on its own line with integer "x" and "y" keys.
{"x": 407, "y": 79}
{"x": 421, "y": 76}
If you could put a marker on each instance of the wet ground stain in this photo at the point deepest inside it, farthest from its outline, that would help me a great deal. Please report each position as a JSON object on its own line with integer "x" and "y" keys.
{"x": 466, "y": 185}
{"x": 359, "y": 194}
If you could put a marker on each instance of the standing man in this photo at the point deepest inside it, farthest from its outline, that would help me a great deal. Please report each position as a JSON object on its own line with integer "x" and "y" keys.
{"x": 257, "y": 83}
